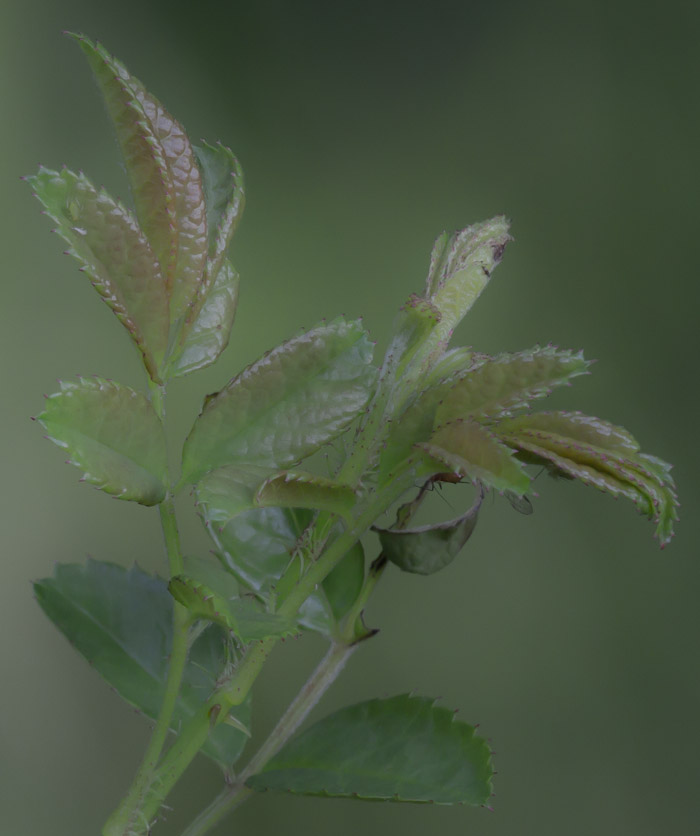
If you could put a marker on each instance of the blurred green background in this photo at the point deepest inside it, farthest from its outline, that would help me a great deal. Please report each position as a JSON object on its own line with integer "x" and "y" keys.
{"x": 364, "y": 130}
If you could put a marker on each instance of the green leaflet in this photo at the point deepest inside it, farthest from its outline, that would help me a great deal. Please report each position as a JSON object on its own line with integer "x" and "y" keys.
{"x": 208, "y": 335}
{"x": 399, "y": 749}
{"x": 224, "y": 191}
{"x": 165, "y": 178}
{"x": 343, "y": 584}
{"x": 113, "y": 252}
{"x": 497, "y": 385}
{"x": 295, "y": 489}
{"x": 121, "y": 622}
{"x": 112, "y": 433}
{"x": 598, "y": 454}
{"x": 285, "y": 406}
{"x": 469, "y": 449}
{"x": 429, "y": 548}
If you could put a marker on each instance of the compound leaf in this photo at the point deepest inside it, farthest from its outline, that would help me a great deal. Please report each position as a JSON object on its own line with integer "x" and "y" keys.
{"x": 114, "y": 253}
{"x": 428, "y": 549}
{"x": 121, "y": 621}
{"x": 399, "y": 749}
{"x": 285, "y": 406}
{"x": 113, "y": 434}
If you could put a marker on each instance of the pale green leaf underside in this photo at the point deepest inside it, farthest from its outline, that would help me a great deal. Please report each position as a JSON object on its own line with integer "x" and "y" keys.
{"x": 208, "y": 335}
{"x": 296, "y": 489}
{"x": 114, "y": 253}
{"x": 399, "y": 749}
{"x": 469, "y": 449}
{"x": 428, "y": 549}
{"x": 601, "y": 455}
{"x": 112, "y": 433}
{"x": 285, "y": 406}
{"x": 121, "y": 622}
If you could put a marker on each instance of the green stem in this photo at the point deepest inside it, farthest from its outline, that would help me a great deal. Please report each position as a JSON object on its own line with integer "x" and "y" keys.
{"x": 234, "y": 690}
{"x": 316, "y": 686}
{"x": 128, "y": 814}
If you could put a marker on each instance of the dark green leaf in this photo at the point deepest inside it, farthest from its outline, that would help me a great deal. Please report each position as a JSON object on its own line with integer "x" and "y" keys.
{"x": 112, "y": 433}
{"x": 286, "y": 405}
{"x": 165, "y": 178}
{"x": 208, "y": 335}
{"x": 399, "y": 749}
{"x": 467, "y": 448}
{"x": 429, "y": 548}
{"x": 295, "y": 489}
{"x": 113, "y": 252}
{"x": 344, "y": 582}
{"x": 121, "y": 622}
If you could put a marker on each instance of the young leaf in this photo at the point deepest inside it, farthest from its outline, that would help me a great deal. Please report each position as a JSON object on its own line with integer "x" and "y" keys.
{"x": 224, "y": 192}
{"x": 113, "y": 434}
{"x": 498, "y": 385}
{"x": 295, "y": 489}
{"x": 469, "y": 449}
{"x": 121, "y": 622}
{"x": 165, "y": 178}
{"x": 287, "y": 404}
{"x": 429, "y": 548}
{"x": 208, "y": 335}
{"x": 243, "y": 617}
{"x": 399, "y": 749}
{"x": 113, "y": 252}
{"x": 460, "y": 269}
{"x": 611, "y": 463}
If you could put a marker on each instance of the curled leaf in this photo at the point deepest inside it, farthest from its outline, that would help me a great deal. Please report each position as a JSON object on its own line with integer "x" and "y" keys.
{"x": 294, "y": 489}
{"x": 427, "y": 549}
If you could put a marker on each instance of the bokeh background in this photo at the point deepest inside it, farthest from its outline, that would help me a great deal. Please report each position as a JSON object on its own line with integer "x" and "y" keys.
{"x": 364, "y": 130}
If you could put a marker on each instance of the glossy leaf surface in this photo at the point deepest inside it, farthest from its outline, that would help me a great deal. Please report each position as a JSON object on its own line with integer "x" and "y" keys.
{"x": 112, "y": 250}
{"x": 296, "y": 489}
{"x": 121, "y": 621}
{"x": 497, "y": 385}
{"x": 208, "y": 335}
{"x": 428, "y": 549}
{"x": 601, "y": 455}
{"x": 165, "y": 178}
{"x": 112, "y": 433}
{"x": 399, "y": 749}
{"x": 287, "y": 404}
{"x": 467, "y": 448}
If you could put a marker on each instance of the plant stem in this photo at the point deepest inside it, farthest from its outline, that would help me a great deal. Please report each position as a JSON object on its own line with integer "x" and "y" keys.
{"x": 233, "y": 691}
{"x": 316, "y": 686}
{"x": 128, "y": 812}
